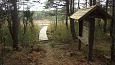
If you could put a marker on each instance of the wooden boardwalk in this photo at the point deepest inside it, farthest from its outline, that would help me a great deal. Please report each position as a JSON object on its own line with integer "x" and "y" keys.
{"x": 42, "y": 33}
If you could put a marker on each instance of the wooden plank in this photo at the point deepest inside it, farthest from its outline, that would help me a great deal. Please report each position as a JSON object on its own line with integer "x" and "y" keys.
{"x": 98, "y": 12}
{"x": 91, "y": 38}
{"x": 80, "y": 33}
{"x": 43, "y": 34}
{"x": 82, "y": 40}
{"x": 81, "y": 13}
{"x": 84, "y": 36}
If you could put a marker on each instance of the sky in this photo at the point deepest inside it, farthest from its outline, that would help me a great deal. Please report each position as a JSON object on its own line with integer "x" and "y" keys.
{"x": 34, "y": 6}
{"x": 39, "y": 6}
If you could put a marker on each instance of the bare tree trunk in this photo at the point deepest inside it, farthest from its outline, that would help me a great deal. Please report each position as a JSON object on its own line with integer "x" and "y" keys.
{"x": 90, "y": 3}
{"x": 67, "y": 12}
{"x": 78, "y": 4}
{"x": 113, "y": 32}
{"x": 15, "y": 25}
{"x": 94, "y": 2}
{"x": 105, "y": 23}
{"x": 56, "y": 13}
{"x": 86, "y": 3}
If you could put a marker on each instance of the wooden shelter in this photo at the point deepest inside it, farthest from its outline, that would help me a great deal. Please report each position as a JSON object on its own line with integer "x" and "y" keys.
{"x": 89, "y": 14}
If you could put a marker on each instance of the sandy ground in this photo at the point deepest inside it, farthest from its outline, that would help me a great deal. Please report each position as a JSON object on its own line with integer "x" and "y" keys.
{"x": 42, "y": 22}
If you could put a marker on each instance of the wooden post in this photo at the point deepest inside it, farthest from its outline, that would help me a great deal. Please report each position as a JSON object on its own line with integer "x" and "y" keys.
{"x": 72, "y": 28}
{"x": 91, "y": 38}
{"x": 80, "y": 33}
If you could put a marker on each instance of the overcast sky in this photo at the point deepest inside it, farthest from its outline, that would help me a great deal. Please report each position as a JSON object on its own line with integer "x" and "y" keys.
{"x": 38, "y": 6}
{"x": 34, "y": 6}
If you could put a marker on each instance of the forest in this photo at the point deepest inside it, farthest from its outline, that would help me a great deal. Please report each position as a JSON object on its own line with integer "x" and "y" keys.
{"x": 57, "y": 32}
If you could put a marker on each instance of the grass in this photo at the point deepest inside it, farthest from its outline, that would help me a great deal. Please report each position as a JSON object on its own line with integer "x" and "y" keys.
{"x": 5, "y": 35}
{"x": 52, "y": 45}
{"x": 24, "y": 39}
{"x": 30, "y": 36}
{"x": 101, "y": 45}
{"x": 60, "y": 33}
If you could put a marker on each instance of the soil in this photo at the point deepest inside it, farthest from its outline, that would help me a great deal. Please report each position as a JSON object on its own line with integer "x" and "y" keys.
{"x": 50, "y": 53}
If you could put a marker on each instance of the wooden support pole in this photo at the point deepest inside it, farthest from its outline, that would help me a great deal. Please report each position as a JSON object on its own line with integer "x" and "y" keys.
{"x": 91, "y": 38}
{"x": 80, "y": 24}
{"x": 72, "y": 27}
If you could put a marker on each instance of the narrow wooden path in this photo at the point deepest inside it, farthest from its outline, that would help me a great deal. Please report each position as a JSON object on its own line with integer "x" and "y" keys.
{"x": 42, "y": 33}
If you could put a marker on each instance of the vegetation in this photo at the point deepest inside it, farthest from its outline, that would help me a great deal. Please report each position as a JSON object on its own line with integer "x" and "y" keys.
{"x": 61, "y": 33}
{"x": 19, "y": 33}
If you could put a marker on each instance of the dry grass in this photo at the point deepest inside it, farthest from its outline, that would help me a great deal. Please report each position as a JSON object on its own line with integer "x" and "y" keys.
{"x": 61, "y": 52}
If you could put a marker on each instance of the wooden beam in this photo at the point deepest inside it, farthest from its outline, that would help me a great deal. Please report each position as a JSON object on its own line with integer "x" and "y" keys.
{"x": 91, "y": 38}
{"x": 80, "y": 24}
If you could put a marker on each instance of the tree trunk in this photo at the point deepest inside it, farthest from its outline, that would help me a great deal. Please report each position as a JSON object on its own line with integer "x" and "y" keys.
{"x": 67, "y": 12}
{"x": 86, "y": 3}
{"x": 113, "y": 32}
{"x": 90, "y": 3}
{"x": 56, "y": 16}
{"x": 78, "y": 4}
{"x": 15, "y": 25}
{"x": 105, "y": 22}
{"x": 94, "y": 2}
